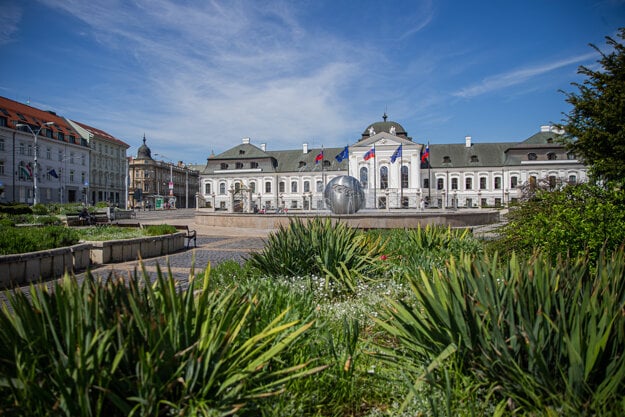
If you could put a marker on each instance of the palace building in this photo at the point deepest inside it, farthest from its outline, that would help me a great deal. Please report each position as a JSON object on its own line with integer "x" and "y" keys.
{"x": 395, "y": 172}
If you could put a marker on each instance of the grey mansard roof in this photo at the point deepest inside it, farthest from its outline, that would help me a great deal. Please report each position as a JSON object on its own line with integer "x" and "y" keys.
{"x": 476, "y": 155}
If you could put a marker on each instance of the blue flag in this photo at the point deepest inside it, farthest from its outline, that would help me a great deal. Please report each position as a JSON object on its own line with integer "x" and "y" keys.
{"x": 344, "y": 154}
{"x": 396, "y": 154}
{"x": 53, "y": 173}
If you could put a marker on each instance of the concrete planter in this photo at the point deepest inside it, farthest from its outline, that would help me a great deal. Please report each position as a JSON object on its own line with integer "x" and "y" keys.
{"x": 23, "y": 268}
{"x": 114, "y": 251}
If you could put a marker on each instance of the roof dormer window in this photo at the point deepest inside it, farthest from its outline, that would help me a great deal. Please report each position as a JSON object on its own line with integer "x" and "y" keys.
{"x": 446, "y": 159}
{"x": 532, "y": 156}
{"x": 301, "y": 164}
{"x": 241, "y": 152}
{"x": 474, "y": 158}
{"x": 238, "y": 165}
{"x": 224, "y": 165}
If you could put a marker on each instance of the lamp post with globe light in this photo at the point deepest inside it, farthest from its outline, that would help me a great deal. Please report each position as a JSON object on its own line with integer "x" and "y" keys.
{"x": 35, "y": 168}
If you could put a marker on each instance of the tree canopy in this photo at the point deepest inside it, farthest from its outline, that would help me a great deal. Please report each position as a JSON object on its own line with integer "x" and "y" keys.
{"x": 595, "y": 127}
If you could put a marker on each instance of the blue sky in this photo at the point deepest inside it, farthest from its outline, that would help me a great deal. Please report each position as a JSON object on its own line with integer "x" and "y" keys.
{"x": 196, "y": 76}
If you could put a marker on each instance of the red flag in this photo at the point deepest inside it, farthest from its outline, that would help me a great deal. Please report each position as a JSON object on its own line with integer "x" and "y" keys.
{"x": 426, "y": 154}
{"x": 319, "y": 157}
{"x": 370, "y": 154}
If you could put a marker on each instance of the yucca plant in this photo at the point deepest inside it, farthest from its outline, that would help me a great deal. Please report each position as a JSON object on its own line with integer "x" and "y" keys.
{"x": 321, "y": 247}
{"x": 130, "y": 347}
{"x": 545, "y": 338}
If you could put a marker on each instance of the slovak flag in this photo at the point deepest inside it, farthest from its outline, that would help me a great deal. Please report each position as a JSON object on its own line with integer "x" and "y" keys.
{"x": 370, "y": 154}
{"x": 319, "y": 157}
{"x": 426, "y": 154}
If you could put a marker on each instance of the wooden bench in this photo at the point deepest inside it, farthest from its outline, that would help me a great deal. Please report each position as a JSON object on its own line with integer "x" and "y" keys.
{"x": 100, "y": 219}
{"x": 137, "y": 225}
{"x": 190, "y": 235}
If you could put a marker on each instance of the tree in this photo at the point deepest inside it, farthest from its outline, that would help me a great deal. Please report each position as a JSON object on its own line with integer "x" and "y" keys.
{"x": 595, "y": 127}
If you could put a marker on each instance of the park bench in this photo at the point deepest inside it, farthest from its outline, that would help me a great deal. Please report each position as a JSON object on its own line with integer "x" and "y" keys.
{"x": 137, "y": 225}
{"x": 100, "y": 219}
{"x": 190, "y": 234}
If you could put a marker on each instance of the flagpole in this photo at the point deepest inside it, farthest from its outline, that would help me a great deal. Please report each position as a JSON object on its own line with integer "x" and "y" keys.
{"x": 429, "y": 176}
{"x": 401, "y": 185}
{"x": 375, "y": 198}
{"x": 347, "y": 160}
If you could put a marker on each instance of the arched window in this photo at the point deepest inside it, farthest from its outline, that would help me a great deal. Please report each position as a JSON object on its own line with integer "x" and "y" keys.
{"x": 222, "y": 188}
{"x": 454, "y": 183}
{"x": 483, "y": 183}
{"x": 253, "y": 186}
{"x": 364, "y": 177}
{"x": 223, "y": 165}
{"x": 208, "y": 188}
{"x": 319, "y": 186}
{"x": 497, "y": 183}
{"x": 531, "y": 156}
{"x": 238, "y": 165}
{"x": 446, "y": 159}
{"x": 440, "y": 184}
{"x": 468, "y": 183}
{"x": 384, "y": 177}
{"x": 306, "y": 186}
{"x": 281, "y": 187}
{"x": 552, "y": 156}
{"x": 267, "y": 186}
{"x": 293, "y": 186}
{"x": 404, "y": 177}
{"x": 514, "y": 181}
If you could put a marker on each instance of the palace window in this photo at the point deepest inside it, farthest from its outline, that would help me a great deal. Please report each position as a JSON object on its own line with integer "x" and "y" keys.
{"x": 253, "y": 164}
{"x": 238, "y": 165}
{"x": 497, "y": 183}
{"x": 383, "y": 178}
{"x": 440, "y": 184}
{"x": 253, "y": 187}
{"x": 207, "y": 188}
{"x": 267, "y": 186}
{"x": 446, "y": 159}
{"x": 531, "y": 156}
{"x": 281, "y": 187}
{"x": 364, "y": 177}
{"x": 454, "y": 183}
{"x": 514, "y": 181}
{"x": 404, "y": 177}
{"x": 468, "y": 183}
{"x": 482, "y": 183}
{"x": 306, "y": 186}
{"x": 319, "y": 187}
{"x": 572, "y": 179}
{"x": 223, "y": 166}
{"x": 552, "y": 156}
{"x": 426, "y": 183}
{"x": 222, "y": 188}
{"x": 293, "y": 186}
{"x": 474, "y": 158}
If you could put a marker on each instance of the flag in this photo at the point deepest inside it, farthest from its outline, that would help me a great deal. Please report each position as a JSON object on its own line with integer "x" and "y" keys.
{"x": 396, "y": 155}
{"x": 319, "y": 157}
{"x": 370, "y": 154}
{"x": 344, "y": 154}
{"x": 53, "y": 173}
{"x": 426, "y": 154}
{"x": 27, "y": 171}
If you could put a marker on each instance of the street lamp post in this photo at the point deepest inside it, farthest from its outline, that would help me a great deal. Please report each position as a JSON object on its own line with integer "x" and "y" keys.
{"x": 35, "y": 134}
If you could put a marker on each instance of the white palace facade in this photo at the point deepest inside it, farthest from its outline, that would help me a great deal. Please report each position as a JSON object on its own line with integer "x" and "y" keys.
{"x": 395, "y": 172}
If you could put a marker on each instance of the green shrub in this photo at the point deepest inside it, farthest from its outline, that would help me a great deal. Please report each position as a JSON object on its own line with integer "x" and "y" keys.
{"x": 40, "y": 209}
{"x": 570, "y": 221}
{"x": 159, "y": 229}
{"x": 320, "y": 247}
{"x": 32, "y": 239}
{"x": 546, "y": 339}
{"x": 120, "y": 348}
{"x": 15, "y": 209}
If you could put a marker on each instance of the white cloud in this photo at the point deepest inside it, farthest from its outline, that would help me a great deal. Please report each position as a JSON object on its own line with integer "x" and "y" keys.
{"x": 519, "y": 76}
{"x": 9, "y": 19}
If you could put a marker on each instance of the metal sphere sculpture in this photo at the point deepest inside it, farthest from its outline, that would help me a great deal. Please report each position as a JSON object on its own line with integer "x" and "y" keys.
{"x": 344, "y": 195}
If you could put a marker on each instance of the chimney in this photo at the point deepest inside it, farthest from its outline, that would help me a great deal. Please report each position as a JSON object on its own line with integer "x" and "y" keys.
{"x": 467, "y": 141}
{"x": 246, "y": 141}
{"x": 545, "y": 128}
{"x": 263, "y": 147}
{"x": 305, "y": 148}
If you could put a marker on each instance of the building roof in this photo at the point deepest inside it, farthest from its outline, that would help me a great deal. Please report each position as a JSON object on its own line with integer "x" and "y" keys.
{"x": 296, "y": 160}
{"x": 477, "y": 155}
{"x": 144, "y": 152}
{"x": 385, "y": 126}
{"x": 102, "y": 134}
{"x": 16, "y": 113}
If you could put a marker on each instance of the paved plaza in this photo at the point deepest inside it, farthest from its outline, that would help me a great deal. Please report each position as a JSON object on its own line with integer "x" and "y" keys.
{"x": 214, "y": 245}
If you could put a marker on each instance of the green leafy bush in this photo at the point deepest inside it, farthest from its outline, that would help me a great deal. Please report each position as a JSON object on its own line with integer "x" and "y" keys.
{"x": 159, "y": 229}
{"x": 40, "y": 209}
{"x": 135, "y": 348}
{"x": 32, "y": 239}
{"x": 570, "y": 221}
{"x": 320, "y": 247}
{"x": 15, "y": 208}
{"x": 546, "y": 339}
